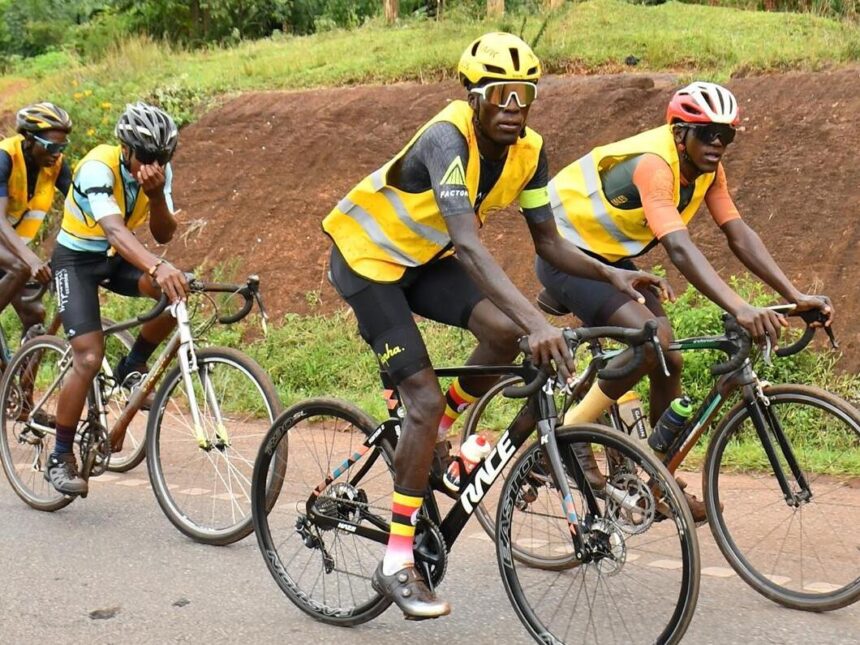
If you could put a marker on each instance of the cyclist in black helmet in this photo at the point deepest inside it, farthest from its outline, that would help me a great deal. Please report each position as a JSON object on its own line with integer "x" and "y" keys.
{"x": 114, "y": 190}
{"x": 32, "y": 167}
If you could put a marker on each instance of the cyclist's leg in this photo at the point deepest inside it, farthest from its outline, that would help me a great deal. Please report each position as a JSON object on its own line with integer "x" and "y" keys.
{"x": 76, "y": 277}
{"x": 446, "y": 293}
{"x": 386, "y": 323}
{"x": 29, "y": 313}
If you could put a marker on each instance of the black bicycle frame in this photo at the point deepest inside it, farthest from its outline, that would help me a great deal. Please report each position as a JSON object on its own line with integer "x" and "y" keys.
{"x": 482, "y": 477}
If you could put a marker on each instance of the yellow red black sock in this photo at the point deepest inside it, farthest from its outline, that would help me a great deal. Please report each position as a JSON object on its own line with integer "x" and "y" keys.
{"x": 404, "y": 514}
{"x": 457, "y": 400}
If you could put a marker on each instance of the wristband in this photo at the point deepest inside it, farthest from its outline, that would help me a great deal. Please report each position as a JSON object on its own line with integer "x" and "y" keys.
{"x": 154, "y": 267}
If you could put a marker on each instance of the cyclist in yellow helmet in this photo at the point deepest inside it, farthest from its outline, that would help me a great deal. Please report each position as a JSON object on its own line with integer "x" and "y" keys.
{"x": 406, "y": 241}
{"x": 32, "y": 167}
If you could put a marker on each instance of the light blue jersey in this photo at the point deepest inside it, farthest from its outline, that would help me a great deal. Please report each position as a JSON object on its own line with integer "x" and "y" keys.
{"x": 93, "y": 185}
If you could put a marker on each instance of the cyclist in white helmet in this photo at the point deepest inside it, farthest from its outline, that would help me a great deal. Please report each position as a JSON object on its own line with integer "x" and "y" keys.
{"x": 115, "y": 189}
{"x": 622, "y": 199}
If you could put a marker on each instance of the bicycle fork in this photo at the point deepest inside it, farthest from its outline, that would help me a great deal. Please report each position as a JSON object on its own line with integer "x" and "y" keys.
{"x": 766, "y": 425}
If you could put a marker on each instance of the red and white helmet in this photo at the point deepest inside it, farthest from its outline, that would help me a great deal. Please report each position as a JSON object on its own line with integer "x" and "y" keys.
{"x": 702, "y": 102}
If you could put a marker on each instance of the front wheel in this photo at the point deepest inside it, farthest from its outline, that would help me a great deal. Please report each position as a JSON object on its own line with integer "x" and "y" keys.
{"x": 802, "y": 552}
{"x": 200, "y": 469}
{"x": 638, "y": 578}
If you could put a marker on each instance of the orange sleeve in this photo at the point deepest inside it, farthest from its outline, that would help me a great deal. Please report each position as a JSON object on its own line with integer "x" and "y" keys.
{"x": 719, "y": 202}
{"x": 655, "y": 183}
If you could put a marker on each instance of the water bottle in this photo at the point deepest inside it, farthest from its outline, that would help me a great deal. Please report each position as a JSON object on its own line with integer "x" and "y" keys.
{"x": 670, "y": 424}
{"x": 630, "y": 410}
{"x": 472, "y": 451}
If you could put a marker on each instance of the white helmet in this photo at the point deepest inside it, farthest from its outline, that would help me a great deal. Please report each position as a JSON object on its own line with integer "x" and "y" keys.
{"x": 702, "y": 102}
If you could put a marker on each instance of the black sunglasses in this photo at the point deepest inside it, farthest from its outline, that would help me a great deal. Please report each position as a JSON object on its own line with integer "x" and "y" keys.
{"x": 50, "y": 146}
{"x": 710, "y": 132}
{"x": 147, "y": 158}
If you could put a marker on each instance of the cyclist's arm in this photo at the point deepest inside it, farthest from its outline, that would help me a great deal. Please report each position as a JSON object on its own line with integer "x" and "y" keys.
{"x": 9, "y": 238}
{"x": 567, "y": 257}
{"x": 748, "y": 247}
{"x": 655, "y": 183}
{"x": 64, "y": 179}
{"x": 156, "y": 182}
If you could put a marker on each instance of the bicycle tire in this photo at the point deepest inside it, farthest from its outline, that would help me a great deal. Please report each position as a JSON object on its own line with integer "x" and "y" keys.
{"x": 166, "y": 440}
{"x": 340, "y": 428}
{"x": 804, "y": 408}
{"x": 134, "y": 450}
{"x": 28, "y": 481}
{"x": 532, "y": 590}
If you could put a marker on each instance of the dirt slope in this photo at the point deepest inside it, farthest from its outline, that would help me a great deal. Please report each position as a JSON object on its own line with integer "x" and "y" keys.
{"x": 256, "y": 176}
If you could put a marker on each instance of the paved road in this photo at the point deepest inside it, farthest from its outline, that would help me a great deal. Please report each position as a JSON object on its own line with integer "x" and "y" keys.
{"x": 116, "y": 553}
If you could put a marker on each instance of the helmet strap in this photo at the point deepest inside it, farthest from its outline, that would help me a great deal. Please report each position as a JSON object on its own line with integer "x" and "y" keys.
{"x": 682, "y": 152}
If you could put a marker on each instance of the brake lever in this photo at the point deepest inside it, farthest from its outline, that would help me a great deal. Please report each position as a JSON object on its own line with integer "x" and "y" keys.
{"x": 833, "y": 343}
{"x": 658, "y": 349}
{"x": 768, "y": 349}
{"x": 264, "y": 317}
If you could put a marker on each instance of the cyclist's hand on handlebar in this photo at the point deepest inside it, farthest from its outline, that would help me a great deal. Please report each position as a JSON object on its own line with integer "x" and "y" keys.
{"x": 548, "y": 346}
{"x": 806, "y": 303}
{"x": 630, "y": 282}
{"x": 171, "y": 281}
{"x": 761, "y": 323}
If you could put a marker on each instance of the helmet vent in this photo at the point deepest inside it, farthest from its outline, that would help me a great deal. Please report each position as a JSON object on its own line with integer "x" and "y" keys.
{"x": 475, "y": 47}
{"x": 492, "y": 69}
{"x": 532, "y": 71}
{"x": 515, "y": 57}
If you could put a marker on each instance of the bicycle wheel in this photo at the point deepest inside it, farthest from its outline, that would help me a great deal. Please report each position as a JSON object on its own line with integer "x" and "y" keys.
{"x": 33, "y": 376}
{"x": 134, "y": 447}
{"x": 202, "y": 476}
{"x": 326, "y": 573}
{"x": 536, "y": 533}
{"x": 804, "y": 556}
{"x": 639, "y": 581}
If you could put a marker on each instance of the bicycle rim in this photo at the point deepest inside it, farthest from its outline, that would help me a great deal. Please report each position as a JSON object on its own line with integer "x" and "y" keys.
{"x": 806, "y": 556}
{"x": 325, "y": 572}
{"x": 31, "y": 376}
{"x": 642, "y": 586}
{"x": 202, "y": 480}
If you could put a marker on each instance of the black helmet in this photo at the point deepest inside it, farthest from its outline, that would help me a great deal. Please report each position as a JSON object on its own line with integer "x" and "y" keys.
{"x": 42, "y": 116}
{"x": 148, "y": 131}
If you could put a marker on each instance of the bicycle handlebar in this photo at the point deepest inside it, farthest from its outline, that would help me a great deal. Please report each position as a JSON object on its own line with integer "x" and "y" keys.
{"x": 34, "y": 291}
{"x": 741, "y": 340}
{"x": 809, "y": 317}
{"x": 250, "y": 291}
{"x": 635, "y": 338}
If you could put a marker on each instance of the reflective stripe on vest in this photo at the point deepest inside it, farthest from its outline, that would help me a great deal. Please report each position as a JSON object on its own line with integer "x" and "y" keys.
{"x": 26, "y": 215}
{"x": 82, "y": 225}
{"x": 586, "y": 218}
{"x": 381, "y": 230}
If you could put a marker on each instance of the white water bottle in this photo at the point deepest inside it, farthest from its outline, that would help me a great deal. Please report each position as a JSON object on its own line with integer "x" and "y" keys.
{"x": 472, "y": 451}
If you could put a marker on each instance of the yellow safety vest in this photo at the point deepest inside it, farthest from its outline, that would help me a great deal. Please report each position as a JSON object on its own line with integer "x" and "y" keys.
{"x": 26, "y": 215}
{"x": 82, "y": 225}
{"x": 381, "y": 230}
{"x": 586, "y": 218}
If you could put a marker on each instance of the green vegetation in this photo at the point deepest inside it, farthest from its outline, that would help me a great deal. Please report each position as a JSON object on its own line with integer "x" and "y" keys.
{"x": 590, "y": 36}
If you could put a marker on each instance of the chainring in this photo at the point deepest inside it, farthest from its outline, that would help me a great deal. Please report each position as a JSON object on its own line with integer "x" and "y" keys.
{"x": 430, "y": 551}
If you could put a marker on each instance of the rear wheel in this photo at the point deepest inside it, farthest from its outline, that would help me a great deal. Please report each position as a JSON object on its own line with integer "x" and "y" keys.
{"x": 33, "y": 378}
{"x": 326, "y": 572}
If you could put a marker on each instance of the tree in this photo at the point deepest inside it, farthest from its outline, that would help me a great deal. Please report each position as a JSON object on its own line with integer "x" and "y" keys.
{"x": 391, "y": 10}
{"x": 495, "y": 7}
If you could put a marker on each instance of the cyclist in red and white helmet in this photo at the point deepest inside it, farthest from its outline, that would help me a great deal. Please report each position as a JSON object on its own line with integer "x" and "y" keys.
{"x": 622, "y": 199}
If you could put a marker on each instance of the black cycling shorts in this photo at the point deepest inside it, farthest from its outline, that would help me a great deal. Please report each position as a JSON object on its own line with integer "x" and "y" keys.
{"x": 77, "y": 277}
{"x": 592, "y": 301}
{"x": 442, "y": 291}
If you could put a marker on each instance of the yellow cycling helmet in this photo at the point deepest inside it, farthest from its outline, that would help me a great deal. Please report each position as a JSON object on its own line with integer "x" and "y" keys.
{"x": 498, "y": 56}
{"x": 42, "y": 116}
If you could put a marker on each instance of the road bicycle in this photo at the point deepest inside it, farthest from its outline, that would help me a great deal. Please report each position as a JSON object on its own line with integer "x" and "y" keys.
{"x": 327, "y": 530}
{"x": 207, "y": 418}
{"x": 788, "y": 525}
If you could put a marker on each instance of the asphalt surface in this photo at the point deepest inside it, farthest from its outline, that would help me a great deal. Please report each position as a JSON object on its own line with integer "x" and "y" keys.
{"x": 112, "y": 569}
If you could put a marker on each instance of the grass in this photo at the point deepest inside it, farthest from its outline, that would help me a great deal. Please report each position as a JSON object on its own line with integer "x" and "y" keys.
{"x": 594, "y": 36}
